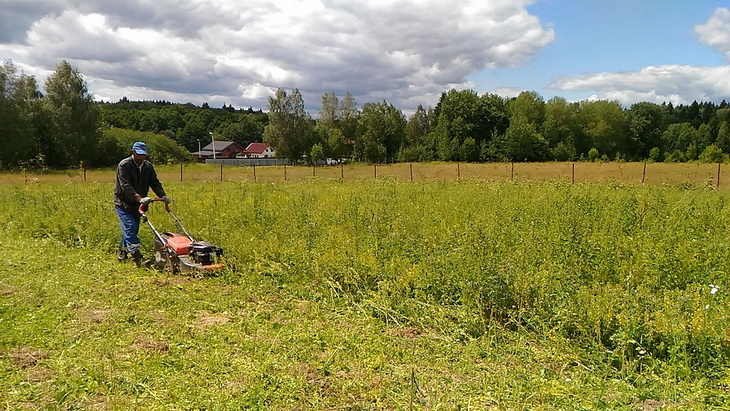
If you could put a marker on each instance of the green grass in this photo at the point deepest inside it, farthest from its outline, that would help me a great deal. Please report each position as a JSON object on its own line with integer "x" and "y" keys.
{"x": 372, "y": 294}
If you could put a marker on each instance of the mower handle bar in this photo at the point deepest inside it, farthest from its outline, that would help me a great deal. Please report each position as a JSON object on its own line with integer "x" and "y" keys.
{"x": 143, "y": 207}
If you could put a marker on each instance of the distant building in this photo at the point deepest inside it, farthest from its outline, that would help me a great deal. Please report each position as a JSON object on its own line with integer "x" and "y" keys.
{"x": 222, "y": 149}
{"x": 259, "y": 150}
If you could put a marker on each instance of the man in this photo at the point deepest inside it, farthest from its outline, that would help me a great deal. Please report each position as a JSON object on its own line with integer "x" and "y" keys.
{"x": 135, "y": 176}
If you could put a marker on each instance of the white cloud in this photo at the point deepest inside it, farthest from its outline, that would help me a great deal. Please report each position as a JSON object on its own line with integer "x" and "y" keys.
{"x": 679, "y": 84}
{"x": 716, "y": 32}
{"x": 675, "y": 83}
{"x": 507, "y": 92}
{"x": 404, "y": 51}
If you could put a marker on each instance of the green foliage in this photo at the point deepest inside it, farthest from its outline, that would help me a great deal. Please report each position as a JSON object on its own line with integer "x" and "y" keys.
{"x": 564, "y": 151}
{"x": 317, "y": 153}
{"x": 524, "y": 142}
{"x": 464, "y": 114}
{"x": 675, "y": 157}
{"x": 593, "y": 155}
{"x": 289, "y": 129}
{"x": 723, "y": 137}
{"x": 162, "y": 149}
{"x": 185, "y": 123}
{"x": 529, "y": 107}
{"x": 655, "y": 155}
{"x": 19, "y": 98}
{"x": 679, "y": 136}
{"x": 419, "y": 125}
{"x": 414, "y": 154}
{"x": 380, "y": 132}
{"x": 646, "y": 123}
{"x": 562, "y": 128}
{"x": 691, "y": 153}
{"x": 74, "y": 118}
{"x": 603, "y": 126}
{"x": 712, "y": 154}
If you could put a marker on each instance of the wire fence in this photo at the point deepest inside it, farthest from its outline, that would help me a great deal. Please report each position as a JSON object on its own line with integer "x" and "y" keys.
{"x": 698, "y": 174}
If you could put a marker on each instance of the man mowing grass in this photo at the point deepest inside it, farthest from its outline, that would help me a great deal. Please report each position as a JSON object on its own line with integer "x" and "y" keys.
{"x": 135, "y": 177}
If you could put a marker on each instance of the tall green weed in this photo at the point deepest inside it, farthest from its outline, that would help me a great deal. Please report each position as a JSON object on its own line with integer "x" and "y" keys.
{"x": 622, "y": 270}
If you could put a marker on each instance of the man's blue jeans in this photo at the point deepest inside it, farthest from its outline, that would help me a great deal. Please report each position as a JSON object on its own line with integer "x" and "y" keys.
{"x": 129, "y": 222}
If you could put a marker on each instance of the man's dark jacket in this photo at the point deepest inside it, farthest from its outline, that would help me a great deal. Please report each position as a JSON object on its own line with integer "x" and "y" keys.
{"x": 133, "y": 183}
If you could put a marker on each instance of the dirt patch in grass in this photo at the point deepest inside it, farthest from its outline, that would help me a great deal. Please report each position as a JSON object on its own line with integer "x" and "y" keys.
{"x": 311, "y": 375}
{"x": 7, "y": 290}
{"x": 651, "y": 405}
{"x": 99, "y": 402}
{"x": 39, "y": 374}
{"x": 95, "y": 316}
{"x": 406, "y": 332}
{"x": 159, "y": 317}
{"x": 27, "y": 357}
{"x": 147, "y": 344}
{"x": 206, "y": 319}
{"x": 171, "y": 281}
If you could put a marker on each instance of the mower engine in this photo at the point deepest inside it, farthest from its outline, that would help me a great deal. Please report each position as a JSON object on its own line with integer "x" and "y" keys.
{"x": 177, "y": 253}
{"x": 204, "y": 253}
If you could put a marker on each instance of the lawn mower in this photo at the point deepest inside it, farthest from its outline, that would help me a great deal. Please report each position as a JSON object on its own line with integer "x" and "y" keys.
{"x": 182, "y": 253}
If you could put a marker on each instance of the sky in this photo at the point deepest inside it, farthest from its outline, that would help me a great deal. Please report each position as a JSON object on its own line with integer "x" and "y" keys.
{"x": 404, "y": 52}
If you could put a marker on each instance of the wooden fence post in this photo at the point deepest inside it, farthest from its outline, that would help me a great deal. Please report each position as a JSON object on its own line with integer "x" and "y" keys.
{"x": 375, "y": 170}
{"x": 254, "y": 173}
{"x": 410, "y": 165}
{"x": 718, "y": 175}
{"x": 221, "y": 172}
{"x": 342, "y": 172}
{"x": 512, "y": 173}
{"x": 458, "y": 170}
{"x": 572, "y": 180}
{"x": 643, "y": 174}
{"x": 181, "y": 172}
{"x": 284, "y": 172}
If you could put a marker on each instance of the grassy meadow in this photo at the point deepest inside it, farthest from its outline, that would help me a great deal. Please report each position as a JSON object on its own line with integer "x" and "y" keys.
{"x": 656, "y": 174}
{"x": 374, "y": 293}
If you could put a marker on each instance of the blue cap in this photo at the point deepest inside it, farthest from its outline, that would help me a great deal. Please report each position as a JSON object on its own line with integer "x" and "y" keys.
{"x": 140, "y": 148}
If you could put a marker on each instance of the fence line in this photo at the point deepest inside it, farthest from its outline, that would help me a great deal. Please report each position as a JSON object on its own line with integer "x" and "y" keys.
{"x": 573, "y": 172}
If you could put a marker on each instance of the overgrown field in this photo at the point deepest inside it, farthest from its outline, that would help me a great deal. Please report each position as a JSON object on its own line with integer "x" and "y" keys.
{"x": 372, "y": 294}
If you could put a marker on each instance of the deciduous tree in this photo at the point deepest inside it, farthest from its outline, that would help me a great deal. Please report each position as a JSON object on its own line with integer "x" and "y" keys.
{"x": 380, "y": 133}
{"x": 19, "y": 96}
{"x": 75, "y": 131}
{"x": 290, "y": 126}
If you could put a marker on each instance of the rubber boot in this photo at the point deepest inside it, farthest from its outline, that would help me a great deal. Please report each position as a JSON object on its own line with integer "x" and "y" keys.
{"x": 137, "y": 258}
{"x": 121, "y": 255}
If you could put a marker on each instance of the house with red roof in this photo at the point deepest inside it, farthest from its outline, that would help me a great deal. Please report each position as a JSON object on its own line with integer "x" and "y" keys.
{"x": 219, "y": 149}
{"x": 259, "y": 150}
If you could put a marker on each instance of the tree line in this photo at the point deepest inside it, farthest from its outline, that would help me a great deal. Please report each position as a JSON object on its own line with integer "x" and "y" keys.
{"x": 65, "y": 127}
{"x": 466, "y": 126}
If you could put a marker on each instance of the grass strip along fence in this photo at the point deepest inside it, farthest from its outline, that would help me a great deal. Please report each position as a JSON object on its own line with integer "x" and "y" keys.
{"x": 373, "y": 293}
{"x": 629, "y": 173}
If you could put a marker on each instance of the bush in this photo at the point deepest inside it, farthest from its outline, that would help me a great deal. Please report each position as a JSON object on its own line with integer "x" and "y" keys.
{"x": 712, "y": 154}
{"x": 162, "y": 149}
{"x": 593, "y": 155}
{"x": 655, "y": 155}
